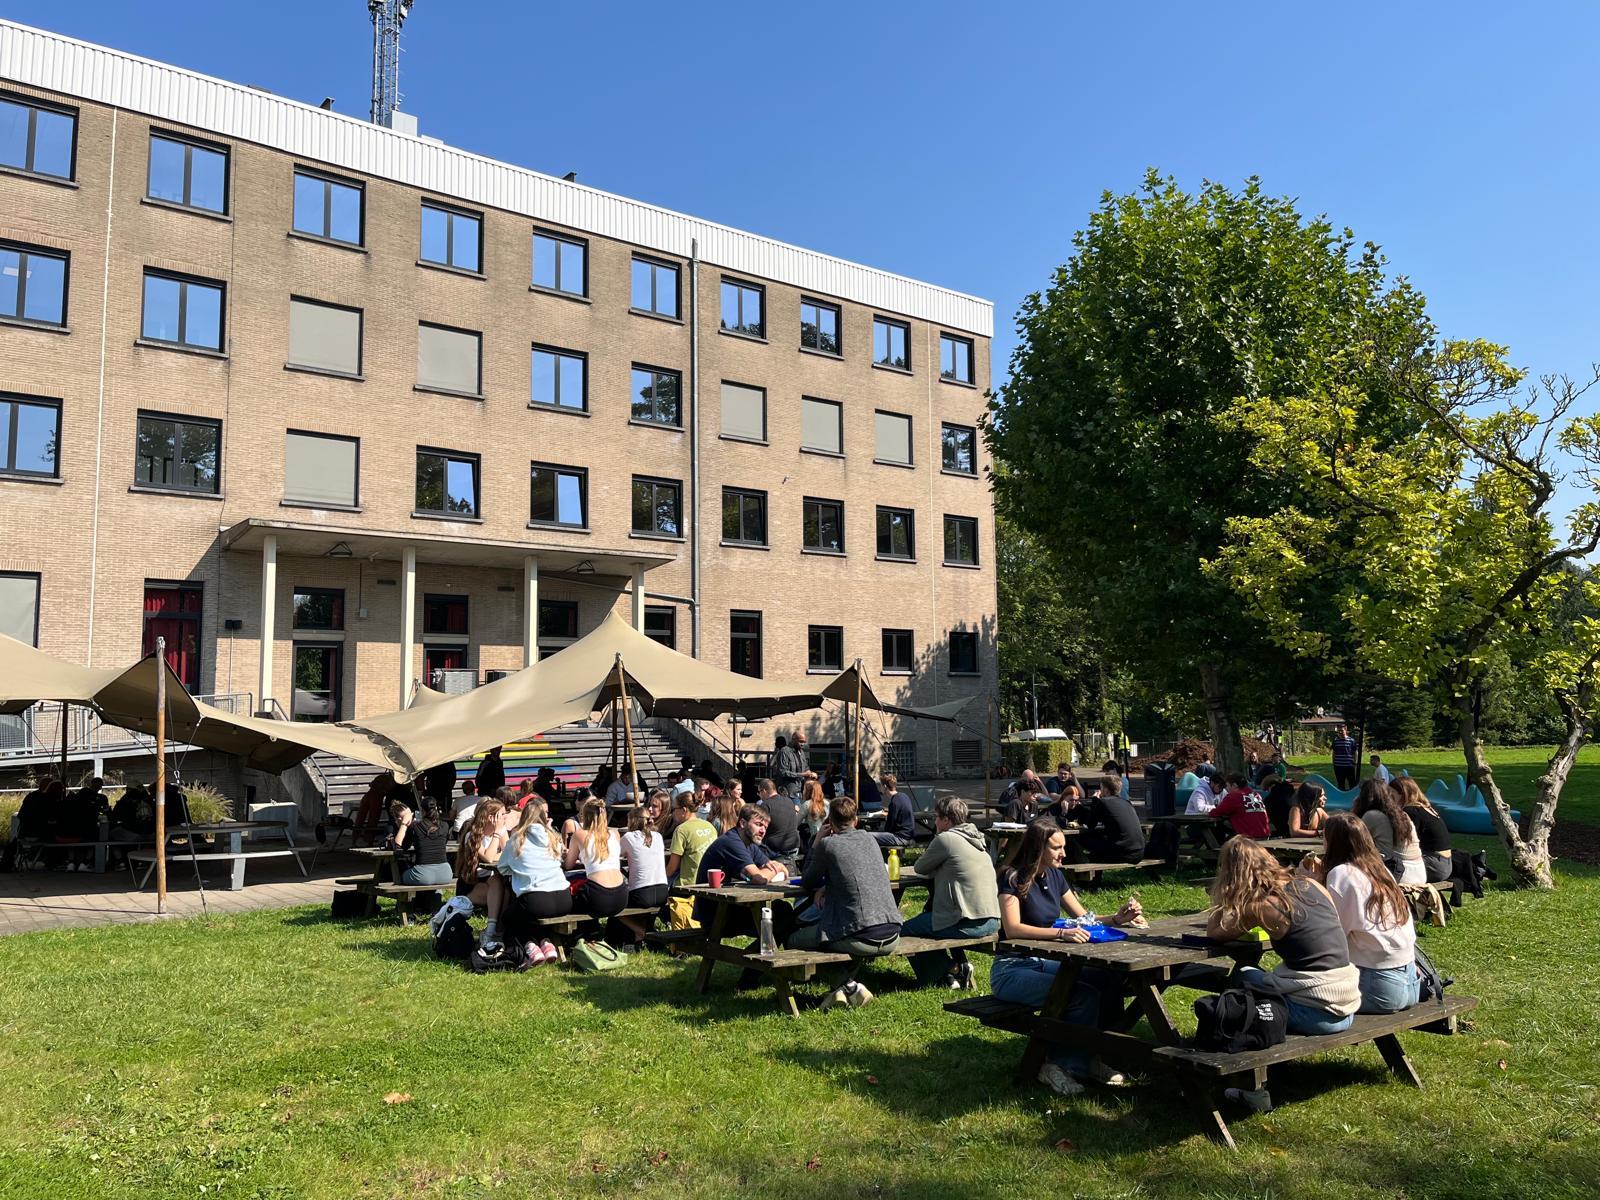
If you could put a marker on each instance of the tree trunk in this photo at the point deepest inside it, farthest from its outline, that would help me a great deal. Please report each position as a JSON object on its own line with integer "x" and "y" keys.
{"x": 1530, "y": 860}
{"x": 1226, "y": 746}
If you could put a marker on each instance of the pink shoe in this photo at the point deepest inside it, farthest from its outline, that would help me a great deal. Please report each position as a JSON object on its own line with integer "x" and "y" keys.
{"x": 548, "y": 949}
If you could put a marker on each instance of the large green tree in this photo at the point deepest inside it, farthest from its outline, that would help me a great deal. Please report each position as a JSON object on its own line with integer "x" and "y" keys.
{"x": 1113, "y": 457}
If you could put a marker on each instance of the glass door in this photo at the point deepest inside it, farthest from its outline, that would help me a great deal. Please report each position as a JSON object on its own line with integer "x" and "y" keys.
{"x": 318, "y": 675}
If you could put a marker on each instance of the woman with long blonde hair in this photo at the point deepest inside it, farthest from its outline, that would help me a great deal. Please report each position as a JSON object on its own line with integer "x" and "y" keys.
{"x": 597, "y": 848}
{"x": 1374, "y": 913}
{"x": 538, "y": 887}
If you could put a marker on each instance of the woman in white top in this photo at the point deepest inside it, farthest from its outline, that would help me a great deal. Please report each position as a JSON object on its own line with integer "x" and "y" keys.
{"x": 596, "y": 846}
{"x": 646, "y": 853}
{"x": 1373, "y": 910}
{"x": 1392, "y": 832}
{"x": 1202, "y": 800}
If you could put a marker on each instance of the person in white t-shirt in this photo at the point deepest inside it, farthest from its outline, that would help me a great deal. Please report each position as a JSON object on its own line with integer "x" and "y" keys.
{"x": 645, "y": 853}
{"x": 1379, "y": 771}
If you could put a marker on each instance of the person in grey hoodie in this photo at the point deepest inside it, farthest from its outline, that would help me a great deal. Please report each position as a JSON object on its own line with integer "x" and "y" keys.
{"x": 964, "y": 898}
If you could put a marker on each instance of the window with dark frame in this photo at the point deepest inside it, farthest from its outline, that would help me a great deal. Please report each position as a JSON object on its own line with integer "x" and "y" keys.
{"x": 819, "y": 327}
{"x": 744, "y": 412}
{"x": 966, "y": 752}
{"x": 30, "y": 436}
{"x": 560, "y": 378}
{"x": 560, "y": 264}
{"x": 891, "y": 438}
{"x": 899, "y": 657}
{"x": 655, "y": 287}
{"x": 451, "y": 237}
{"x": 897, "y": 537}
{"x": 560, "y": 496}
{"x": 963, "y": 652}
{"x": 955, "y": 358}
{"x": 825, "y": 648}
{"x": 891, "y": 343}
{"x": 19, "y": 605}
{"x": 328, "y": 207}
{"x": 657, "y": 396}
{"x": 961, "y": 540}
{"x": 558, "y": 620}
{"x": 744, "y": 643}
{"x": 325, "y": 337}
{"x": 33, "y": 284}
{"x": 657, "y": 506}
{"x": 38, "y": 138}
{"x": 823, "y": 524}
{"x": 189, "y": 173}
{"x": 959, "y": 444}
{"x": 178, "y": 453}
{"x": 172, "y": 610}
{"x": 821, "y": 425}
{"x": 661, "y": 624}
{"x": 321, "y": 469}
{"x": 449, "y": 360}
{"x": 744, "y": 517}
{"x": 319, "y": 608}
{"x": 442, "y": 614}
{"x": 744, "y": 308}
{"x": 447, "y": 483}
{"x": 180, "y": 311}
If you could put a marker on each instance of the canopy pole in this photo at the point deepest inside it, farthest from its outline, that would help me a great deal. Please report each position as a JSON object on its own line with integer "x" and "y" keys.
{"x": 66, "y": 710}
{"x": 988, "y": 754}
{"x": 627, "y": 733}
{"x": 614, "y": 736}
{"x": 161, "y": 775}
{"x": 856, "y": 771}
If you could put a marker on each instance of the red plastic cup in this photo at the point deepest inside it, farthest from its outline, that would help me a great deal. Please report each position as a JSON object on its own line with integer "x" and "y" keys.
{"x": 714, "y": 878}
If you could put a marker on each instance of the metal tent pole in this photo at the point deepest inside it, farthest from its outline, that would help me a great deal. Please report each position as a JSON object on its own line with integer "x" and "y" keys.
{"x": 161, "y": 775}
{"x": 627, "y": 733}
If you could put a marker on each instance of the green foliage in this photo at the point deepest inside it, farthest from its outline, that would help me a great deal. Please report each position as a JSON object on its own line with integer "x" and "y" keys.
{"x": 207, "y": 805}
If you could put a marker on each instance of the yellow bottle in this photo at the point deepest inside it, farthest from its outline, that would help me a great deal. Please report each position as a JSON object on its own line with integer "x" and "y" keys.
{"x": 894, "y": 866}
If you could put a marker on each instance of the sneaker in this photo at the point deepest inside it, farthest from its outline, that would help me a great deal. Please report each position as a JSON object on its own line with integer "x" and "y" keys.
{"x": 1100, "y": 1073}
{"x": 1058, "y": 1081}
{"x": 532, "y": 956}
{"x": 960, "y": 978}
{"x": 548, "y": 948}
{"x": 851, "y": 995}
{"x": 833, "y": 998}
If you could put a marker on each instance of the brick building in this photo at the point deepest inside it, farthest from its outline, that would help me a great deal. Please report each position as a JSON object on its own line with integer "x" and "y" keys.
{"x": 423, "y": 416}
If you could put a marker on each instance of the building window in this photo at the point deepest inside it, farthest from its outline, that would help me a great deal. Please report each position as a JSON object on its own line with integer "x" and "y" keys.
{"x": 744, "y": 412}
{"x": 560, "y": 264}
{"x": 657, "y": 396}
{"x": 960, "y": 449}
{"x": 447, "y": 483}
{"x": 33, "y": 285}
{"x": 825, "y": 648}
{"x": 560, "y": 496}
{"x": 892, "y": 433}
{"x": 19, "y": 606}
{"x": 558, "y": 626}
{"x": 324, "y": 337}
{"x": 824, "y": 525}
{"x": 180, "y": 311}
{"x": 451, "y": 237}
{"x": 180, "y": 453}
{"x": 192, "y": 174}
{"x": 30, "y": 436}
{"x": 961, "y": 541}
{"x": 819, "y": 327}
{"x": 744, "y": 517}
{"x": 319, "y": 608}
{"x": 898, "y": 656}
{"x": 744, "y": 643}
{"x": 963, "y": 652}
{"x": 444, "y": 615}
{"x": 450, "y": 360}
{"x": 560, "y": 378}
{"x": 827, "y": 754}
{"x": 321, "y": 470}
{"x": 327, "y": 207}
{"x": 891, "y": 343}
{"x": 955, "y": 358}
{"x": 966, "y": 752}
{"x": 655, "y": 287}
{"x": 744, "y": 308}
{"x": 35, "y": 137}
{"x": 821, "y": 425}
{"x": 172, "y": 611}
{"x": 661, "y": 625}
{"x": 657, "y": 506}
{"x": 318, "y": 672}
{"x": 898, "y": 759}
{"x": 897, "y": 536}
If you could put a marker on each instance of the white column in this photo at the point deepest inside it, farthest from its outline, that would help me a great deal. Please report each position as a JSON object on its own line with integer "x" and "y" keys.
{"x": 638, "y": 599}
{"x": 269, "y": 617}
{"x": 530, "y": 611}
{"x": 408, "y": 620}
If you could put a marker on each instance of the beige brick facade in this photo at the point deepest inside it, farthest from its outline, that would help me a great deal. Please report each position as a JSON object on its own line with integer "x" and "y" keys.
{"x": 94, "y": 540}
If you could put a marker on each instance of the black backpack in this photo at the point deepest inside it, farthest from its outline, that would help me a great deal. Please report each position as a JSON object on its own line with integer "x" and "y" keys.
{"x": 454, "y": 939}
{"x": 1431, "y": 984}
{"x": 511, "y": 955}
{"x": 1237, "y": 1020}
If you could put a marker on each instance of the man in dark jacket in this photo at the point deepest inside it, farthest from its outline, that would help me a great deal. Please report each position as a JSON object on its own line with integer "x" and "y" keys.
{"x": 491, "y": 773}
{"x": 1111, "y": 830}
{"x": 783, "y": 826}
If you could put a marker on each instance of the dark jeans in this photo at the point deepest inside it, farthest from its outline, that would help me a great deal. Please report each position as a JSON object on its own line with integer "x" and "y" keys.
{"x": 1345, "y": 777}
{"x": 600, "y": 901}
{"x": 932, "y": 967}
{"x": 653, "y": 896}
{"x": 892, "y": 840}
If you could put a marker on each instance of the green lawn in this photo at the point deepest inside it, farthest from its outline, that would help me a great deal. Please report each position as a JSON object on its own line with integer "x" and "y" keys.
{"x": 1515, "y": 769}
{"x": 251, "y": 1057}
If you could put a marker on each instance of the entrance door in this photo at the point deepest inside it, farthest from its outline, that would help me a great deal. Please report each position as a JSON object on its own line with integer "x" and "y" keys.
{"x": 318, "y": 679}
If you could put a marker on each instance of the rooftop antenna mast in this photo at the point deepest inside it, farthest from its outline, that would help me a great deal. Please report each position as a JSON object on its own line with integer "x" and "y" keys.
{"x": 387, "y": 17}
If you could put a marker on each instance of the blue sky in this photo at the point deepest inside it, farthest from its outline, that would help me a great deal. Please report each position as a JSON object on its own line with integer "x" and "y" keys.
{"x": 965, "y": 143}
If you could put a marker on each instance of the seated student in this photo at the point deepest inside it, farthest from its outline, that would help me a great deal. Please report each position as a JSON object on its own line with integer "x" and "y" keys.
{"x": 1112, "y": 778}
{"x": 963, "y": 900}
{"x": 524, "y": 790}
{"x": 480, "y": 849}
{"x": 467, "y": 806}
{"x": 690, "y": 837}
{"x": 596, "y": 846}
{"x": 602, "y": 781}
{"x": 782, "y": 842}
{"x": 1314, "y": 979}
{"x": 1374, "y": 913}
{"x": 832, "y": 783}
{"x": 419, "y": 841}
{"x": 900, "y": 823}
{"x": 1279, "y": 802}
{"x": 1379, "y": 771}
{"x": 1204, "y": 798}
{"x": 1061, "y": 780}
{"x": 1441, "y": 863}
{"x": 545, "y": 785}
{"x": 1018, "y": 785}
{"x": 1025, "y": 801}
{"x": 813, "y": 812}
{"x": 1392, "y": 831}
{"x": 1034, "y": 893}
{"x": 871, "y": 799}
{"x": 858, "y": 915}
{"x": 621, "y": 791}
{"x": 134, "y": 817}
{"x": 537, "y": 887}
{"x": 1310, "y": 811}
{"x": 646, "y": 855}
{"x": 1111, "y": 830}
{"x": 738, "y": 854}
{"x": 712, "y": 776}
{"x": 1243, "y": 810}
{"x": 723, "y": 812}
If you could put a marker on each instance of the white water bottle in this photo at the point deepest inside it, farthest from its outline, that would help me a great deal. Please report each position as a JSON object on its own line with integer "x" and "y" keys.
{"x": 769, "y": 943}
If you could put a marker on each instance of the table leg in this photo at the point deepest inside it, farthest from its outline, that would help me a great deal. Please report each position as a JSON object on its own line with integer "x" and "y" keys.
{"x": 1203, "y": 1099}
{"x": 719, "y": 921}
{"x": 1055, "y": 1003}
{"x": 1395, "y": 1056}
{"x": 1155, "y": 1011}
{"x": 786, "y": 1000}
{"x": 236, "y": 879}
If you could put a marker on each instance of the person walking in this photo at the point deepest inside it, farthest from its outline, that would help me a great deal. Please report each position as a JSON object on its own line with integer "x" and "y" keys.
{"x": 1345, "y": 771}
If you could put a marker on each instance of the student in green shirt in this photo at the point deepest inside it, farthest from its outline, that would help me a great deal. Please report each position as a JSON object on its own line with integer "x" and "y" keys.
{"x": 690, "y": 837}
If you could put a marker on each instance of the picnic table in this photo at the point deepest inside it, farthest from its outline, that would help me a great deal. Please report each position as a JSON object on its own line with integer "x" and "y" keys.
{"x": 1291, "y": 847}
{"x": 384, "y": 882}
{"x": 1203, "y": 832}
{"x": 1005, "y": 839}
{"x": 232, "y": 833}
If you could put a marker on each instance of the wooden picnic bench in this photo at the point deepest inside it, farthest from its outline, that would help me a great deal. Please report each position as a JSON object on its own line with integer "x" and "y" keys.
{"x": 382, "y": 881}
{"x": 1091, "y": 872}
{"x": 233, "y": 832}
{"x": 560, "y": 930}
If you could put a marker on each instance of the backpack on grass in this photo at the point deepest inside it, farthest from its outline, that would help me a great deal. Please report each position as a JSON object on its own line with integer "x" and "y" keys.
{"x": 510, "y": 955}
{"x": 453, "y": 938}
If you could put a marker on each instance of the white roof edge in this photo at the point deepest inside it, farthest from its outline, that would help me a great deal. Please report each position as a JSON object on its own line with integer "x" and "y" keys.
{"x": 57, "y": 63}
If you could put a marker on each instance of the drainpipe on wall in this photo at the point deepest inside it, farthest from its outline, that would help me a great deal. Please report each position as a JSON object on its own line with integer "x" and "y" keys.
{"x": 694, "y": 446}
